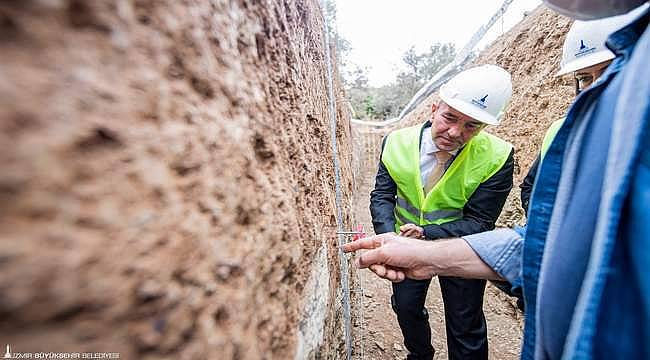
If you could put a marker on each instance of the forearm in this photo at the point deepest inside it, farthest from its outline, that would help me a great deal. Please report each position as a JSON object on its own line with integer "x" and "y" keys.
{"x": 454, "y": 257}
{"x": 396, "y": 257}
{"x": 501, "y": 250}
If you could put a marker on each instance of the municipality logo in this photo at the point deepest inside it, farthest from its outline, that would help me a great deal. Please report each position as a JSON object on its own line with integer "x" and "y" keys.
{"x": 58, "y": 355}
{"x": 480, "y": 102}
{"x": 584, "y": 49}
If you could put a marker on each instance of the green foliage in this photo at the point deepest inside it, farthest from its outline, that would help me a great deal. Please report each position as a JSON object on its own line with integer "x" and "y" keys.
{"x": 368, "y": 102}
{"x": 385, "y": 102}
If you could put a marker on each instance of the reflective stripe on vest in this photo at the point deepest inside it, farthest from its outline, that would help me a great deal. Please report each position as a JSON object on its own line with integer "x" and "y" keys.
{"x": 401, "y": 219}
{"x": 479, "y": 159}
{"x": 429, "y": 216}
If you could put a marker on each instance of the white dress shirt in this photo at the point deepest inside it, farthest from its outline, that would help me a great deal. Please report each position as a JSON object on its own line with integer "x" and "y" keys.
{"x": 428, "y": 160}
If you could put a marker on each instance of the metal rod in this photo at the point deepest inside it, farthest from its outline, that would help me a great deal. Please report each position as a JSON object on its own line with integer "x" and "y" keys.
{"x": 331, "y": 102}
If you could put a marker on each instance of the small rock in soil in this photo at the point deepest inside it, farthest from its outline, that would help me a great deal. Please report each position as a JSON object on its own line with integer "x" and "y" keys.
{"x": 380, "y": 346}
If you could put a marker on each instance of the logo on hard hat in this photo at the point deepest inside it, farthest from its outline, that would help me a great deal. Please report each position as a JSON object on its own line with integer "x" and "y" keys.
{"x": 480, "y": 102}
{"x": 584, "y": 49}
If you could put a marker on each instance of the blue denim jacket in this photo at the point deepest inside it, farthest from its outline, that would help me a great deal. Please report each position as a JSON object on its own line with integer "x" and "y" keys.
{"x": 612, "y": 316}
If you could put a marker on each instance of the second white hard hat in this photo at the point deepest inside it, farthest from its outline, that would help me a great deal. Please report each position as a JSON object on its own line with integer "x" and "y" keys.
{"x": 584, "y": 45}
{"x": 481, "y": 93}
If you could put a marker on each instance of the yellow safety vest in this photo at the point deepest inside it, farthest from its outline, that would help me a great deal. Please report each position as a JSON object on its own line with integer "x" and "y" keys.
{"x": 478, "y": 160}
{"x": 549, "y": 136}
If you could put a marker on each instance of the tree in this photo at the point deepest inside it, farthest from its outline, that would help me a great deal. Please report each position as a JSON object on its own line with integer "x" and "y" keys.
{"x": 436, "y": 58}
{"x": 356, "y": 78}
{"x": 413, "y": 76}
{"x": 387, "y": 101}
{"x": 421, "y": 67}
{"x": 342, "y": 44}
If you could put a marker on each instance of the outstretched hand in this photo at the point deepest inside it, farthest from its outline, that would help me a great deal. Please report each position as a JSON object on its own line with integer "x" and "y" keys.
{"x": 394, "y": 257}
{"x": 412, "y": 231}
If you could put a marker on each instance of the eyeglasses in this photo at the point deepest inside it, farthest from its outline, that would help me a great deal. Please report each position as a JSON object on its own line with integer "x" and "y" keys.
{"x": 585, "y": 77}
{"x": 583, "y": 81}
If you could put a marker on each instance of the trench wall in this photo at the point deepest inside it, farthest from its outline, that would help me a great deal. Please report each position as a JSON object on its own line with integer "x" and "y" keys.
{"x": 167, "y": 186}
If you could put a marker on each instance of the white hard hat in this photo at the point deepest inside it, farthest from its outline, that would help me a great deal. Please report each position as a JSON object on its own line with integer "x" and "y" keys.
{"x": 584, "y": 45}
{"x": 590, "y": 9}
{"x": 481, "y": 93}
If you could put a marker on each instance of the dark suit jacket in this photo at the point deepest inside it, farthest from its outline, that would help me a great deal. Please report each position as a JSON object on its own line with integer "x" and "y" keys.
{"x": 479, "y": 214}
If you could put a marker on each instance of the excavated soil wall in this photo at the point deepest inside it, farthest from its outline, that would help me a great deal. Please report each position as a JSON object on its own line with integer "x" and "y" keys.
{"x": 167, "y": 183}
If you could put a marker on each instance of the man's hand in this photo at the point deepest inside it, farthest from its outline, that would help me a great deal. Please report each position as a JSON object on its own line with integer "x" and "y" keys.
{"x": 394, "y": 258}
{"x": 412, "y": 231}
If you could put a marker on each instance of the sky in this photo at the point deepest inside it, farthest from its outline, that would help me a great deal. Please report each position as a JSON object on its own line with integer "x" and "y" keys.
{"x": 380, "y": 31}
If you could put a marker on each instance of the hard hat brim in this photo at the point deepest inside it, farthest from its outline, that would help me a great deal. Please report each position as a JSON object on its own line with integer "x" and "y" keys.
{"x": 469, "y": 110}
{"x": 585, "y": 62}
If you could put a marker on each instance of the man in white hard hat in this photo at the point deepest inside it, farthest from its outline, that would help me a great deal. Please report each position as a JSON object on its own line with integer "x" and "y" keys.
{"x": 441, "y": 179}
{"x": 583, "y": 264}
{"x": 586, "y": 57}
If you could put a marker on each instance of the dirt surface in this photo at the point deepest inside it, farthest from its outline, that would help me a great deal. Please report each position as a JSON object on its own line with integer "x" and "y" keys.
{"x": 167, "y": 177}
